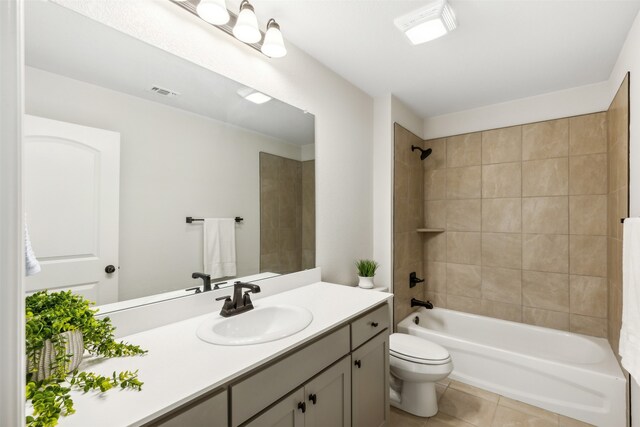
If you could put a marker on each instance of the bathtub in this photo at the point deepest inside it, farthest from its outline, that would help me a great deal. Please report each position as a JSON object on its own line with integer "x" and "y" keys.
{"x": 570, "y": 374}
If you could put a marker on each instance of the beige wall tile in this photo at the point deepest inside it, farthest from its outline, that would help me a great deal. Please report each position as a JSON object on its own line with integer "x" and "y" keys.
{"x": 588, "y": 174}
{"x": 466, "y": 304}
{"x": 545, "y": 177}
{"x": 502, "y": 310}
{"x": 502, "y": 145}
{"x": 436, "y": 277}
{"x": 464, "y": 183}
{"x": 588, "y": 255}
{"x": 436, "y": 214}
{"x": 464, "y": 150}
{"x": 588, "y": 134}
{"x": 435, "y": 246}
{"x": 502, "y": 215}
{"x": 502, "y": 284}
{"x": 545, "y": 140}
{"x": 587, "y": 325}
{"x": 548, "y": 215}
{"x": 463, "y": 215}
{"x": 400, "y": 181}
{"x": 502, "y": 250}
{"x": 545, "y": 318}
{"x": 464, "y": 280}
{"x": 545, "y": 252}
{"x": 436, "y": 298}
{"x": 502, "y": 180}
{"x": 588, "y": 215}
{"x": 463, "y": 247}
{"x": 588, "y": 295}
{"x": 545, "y": 290}
{"x": 438, "y": 157}
{"x": 435, "y": 184}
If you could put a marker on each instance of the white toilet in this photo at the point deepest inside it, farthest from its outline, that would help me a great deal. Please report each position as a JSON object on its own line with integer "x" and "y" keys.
{"x": 416, "y": 364}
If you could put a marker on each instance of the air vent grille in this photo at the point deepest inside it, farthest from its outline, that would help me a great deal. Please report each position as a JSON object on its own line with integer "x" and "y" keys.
{"x": 164, "y": 92}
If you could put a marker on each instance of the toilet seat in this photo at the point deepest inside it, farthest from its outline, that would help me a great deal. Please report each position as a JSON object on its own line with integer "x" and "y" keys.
{"x": 417, "y": 350}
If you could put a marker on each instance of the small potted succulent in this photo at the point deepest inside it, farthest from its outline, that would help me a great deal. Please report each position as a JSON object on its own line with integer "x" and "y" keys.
{"x": 366, "y": 270}
{"x": 59, "y": 328}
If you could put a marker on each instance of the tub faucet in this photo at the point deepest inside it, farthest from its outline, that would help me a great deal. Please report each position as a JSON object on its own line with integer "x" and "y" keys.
{"x": 417, "y": 303}
{"x": 240, "y": 303}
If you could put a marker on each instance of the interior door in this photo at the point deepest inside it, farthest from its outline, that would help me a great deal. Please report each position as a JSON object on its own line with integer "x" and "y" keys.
{"x": 71, "y": 198}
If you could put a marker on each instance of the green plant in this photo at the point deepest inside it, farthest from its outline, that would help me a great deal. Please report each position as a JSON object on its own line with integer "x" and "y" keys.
{"x": 48, "y": 315}
{"x": 366, "y": 267}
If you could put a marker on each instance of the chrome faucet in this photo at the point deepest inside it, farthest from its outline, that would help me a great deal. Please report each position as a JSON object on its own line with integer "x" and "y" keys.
{"x": 240, "y": 303}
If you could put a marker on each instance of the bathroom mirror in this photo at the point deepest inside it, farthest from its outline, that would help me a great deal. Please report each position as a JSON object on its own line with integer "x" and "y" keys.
{"x": 124, "y": 141}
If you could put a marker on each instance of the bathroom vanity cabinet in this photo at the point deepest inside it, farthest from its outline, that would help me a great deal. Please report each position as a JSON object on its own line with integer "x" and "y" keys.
{"x": 341, "y": 379}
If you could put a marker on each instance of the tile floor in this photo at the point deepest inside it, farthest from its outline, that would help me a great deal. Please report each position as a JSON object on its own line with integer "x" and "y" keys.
{"x": 461, "y": 405}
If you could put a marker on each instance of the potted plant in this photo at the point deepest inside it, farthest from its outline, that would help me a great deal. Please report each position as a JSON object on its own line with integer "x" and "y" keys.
{"x": 366, "y": 270}
{"x": 59, "y": 328}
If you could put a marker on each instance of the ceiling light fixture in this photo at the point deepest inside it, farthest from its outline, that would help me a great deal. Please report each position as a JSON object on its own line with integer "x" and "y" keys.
{"x": 273, "y": 45}
{"x": 253, "y": 95}
{"x": 213, "y": 11}
{"x": 428, "y": 23}
{"x": 246, "y": 28}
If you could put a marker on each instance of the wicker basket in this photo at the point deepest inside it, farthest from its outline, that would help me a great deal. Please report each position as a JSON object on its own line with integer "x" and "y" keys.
{"x": 74, "y": 345}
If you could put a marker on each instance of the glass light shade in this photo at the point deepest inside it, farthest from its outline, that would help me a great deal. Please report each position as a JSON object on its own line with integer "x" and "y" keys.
{"x": 213, "y": 11}
{"x": 427, "y": 31}
{"x": 273, "y": 45}
{"x": 246, "y": 28}
{"x": 258, "y": 98}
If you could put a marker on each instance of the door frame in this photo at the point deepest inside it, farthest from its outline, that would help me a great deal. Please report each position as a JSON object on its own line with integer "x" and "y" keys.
{"x": 11, "y": 222}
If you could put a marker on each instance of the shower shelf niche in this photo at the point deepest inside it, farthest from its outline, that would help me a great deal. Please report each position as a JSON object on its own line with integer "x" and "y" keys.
{"x": 430, "y": 230}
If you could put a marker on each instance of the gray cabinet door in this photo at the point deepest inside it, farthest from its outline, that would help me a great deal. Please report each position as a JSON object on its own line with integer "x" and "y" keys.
{"x": 329, "y": 397}
{"x": 288, "y": 412}
{"x": 370, "y": 383}
{"x": 209, "y": 411}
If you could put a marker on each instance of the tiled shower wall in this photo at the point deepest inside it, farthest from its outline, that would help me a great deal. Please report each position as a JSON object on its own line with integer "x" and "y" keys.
{"x": 524, "y": 214}
{"x": 618, "y": 203}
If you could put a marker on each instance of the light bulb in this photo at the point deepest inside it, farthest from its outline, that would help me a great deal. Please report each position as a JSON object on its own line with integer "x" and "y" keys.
{"x": 213, "y": 11}
{"x": 273, "y": 45}
{"x": 246, "y": 28}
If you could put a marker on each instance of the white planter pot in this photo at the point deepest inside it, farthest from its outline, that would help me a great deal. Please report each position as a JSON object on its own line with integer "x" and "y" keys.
{"x": 365, "y": 282}
{"x": 74, "y": 346}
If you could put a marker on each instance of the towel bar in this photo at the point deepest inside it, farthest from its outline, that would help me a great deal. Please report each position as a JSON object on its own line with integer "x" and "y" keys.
{"x": 191, "y": 219}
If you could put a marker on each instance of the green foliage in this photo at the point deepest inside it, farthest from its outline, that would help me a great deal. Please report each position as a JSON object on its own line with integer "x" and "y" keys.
{"x": 48, "y": 315}
{"x": 366, "y": 267}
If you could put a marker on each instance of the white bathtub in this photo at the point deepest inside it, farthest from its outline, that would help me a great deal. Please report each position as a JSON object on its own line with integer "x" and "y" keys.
{"x": 570, "y": 374}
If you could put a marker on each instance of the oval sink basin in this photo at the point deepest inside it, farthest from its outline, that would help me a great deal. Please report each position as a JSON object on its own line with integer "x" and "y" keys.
{"x": 257, "y": 326}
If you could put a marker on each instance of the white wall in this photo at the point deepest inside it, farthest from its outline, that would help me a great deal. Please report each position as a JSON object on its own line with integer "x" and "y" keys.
{"x": 565, "y": 103}
{"x": 173, "y": 164}
{"x": 344, "y": 115}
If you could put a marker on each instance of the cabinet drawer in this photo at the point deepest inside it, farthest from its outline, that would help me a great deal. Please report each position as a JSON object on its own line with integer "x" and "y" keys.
{"x": 255, "y": 393}
{"x": 367, "y": 326}
{"x": 209, "y": 411}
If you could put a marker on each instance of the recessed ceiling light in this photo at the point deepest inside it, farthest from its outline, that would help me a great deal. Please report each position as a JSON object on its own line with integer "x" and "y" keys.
{"x": 428, "y": 23}
{"x": 253, "y": 95}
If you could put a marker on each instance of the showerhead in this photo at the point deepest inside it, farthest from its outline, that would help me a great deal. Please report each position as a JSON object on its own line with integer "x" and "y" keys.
{"x": 423, "y": 153}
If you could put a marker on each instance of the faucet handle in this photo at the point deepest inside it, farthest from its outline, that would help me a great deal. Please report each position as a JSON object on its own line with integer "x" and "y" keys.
{"x": 246, "y": 299}
{"x": 225, "y": 298}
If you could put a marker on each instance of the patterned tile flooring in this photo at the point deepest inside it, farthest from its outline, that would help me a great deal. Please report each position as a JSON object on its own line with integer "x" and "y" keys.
{"x": 461, "y": 405}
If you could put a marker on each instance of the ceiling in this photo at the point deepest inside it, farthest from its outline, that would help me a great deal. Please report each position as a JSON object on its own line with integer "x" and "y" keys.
{"x": 61, "y": 41}
{"x": 502, "y": 50}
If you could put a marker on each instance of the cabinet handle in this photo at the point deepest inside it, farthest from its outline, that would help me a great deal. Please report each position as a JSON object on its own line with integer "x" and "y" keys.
{"x": 302, "y": 406}
{"x": 357, "y": 363}
{"x": 374, "y": 324}
{"x": 313, "y": 398}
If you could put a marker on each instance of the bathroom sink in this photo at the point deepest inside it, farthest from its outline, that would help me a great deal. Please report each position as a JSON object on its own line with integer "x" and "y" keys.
{"x": 260, "y": 325}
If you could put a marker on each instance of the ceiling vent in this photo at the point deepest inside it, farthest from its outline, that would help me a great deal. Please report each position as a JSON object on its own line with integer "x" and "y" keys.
{"x": 164, "y": 92}
{"x": 427, "y": 23}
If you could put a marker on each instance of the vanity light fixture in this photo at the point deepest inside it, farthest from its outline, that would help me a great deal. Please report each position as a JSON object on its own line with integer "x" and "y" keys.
{"x": 213, "y": 11}
{"x": 273, "y": 45}
{"x": 243, "y": 26}
{"x": 428, "y": 23}
{"x": 246, "y": 28}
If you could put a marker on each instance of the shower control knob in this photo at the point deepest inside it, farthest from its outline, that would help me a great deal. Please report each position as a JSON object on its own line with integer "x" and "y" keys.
{"x": 109, "y": 269}
{"x": 358, "y": 363}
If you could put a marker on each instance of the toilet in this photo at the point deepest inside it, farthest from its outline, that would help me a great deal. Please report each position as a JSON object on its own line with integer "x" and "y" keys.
{"x": 416, "y": 364}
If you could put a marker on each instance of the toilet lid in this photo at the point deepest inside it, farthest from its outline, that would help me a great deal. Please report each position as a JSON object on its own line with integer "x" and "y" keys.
{"x": 412, "y": 348}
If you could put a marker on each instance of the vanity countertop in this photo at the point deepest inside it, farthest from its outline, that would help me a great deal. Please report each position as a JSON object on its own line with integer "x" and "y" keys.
{"x": 180, "y": 367}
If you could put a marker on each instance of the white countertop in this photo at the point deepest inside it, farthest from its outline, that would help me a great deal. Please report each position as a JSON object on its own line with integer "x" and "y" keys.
{"x": 180, "y": 367}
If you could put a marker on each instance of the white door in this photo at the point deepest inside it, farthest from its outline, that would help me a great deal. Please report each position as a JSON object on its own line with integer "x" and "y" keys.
{"x": 71, "y": 197}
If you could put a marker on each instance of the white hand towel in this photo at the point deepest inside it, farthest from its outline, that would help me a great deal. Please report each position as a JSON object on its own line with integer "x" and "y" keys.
{"x": 630, "y": 332}
{"x": 220, "y": 247}
{"x": 32, "y": 266}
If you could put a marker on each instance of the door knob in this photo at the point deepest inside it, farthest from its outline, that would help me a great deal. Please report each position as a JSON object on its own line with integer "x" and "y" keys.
{"x": 109, "y": 269}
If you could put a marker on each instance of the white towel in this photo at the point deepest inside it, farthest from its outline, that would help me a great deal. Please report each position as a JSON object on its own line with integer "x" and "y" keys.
{"x": 630, "y": 332}
{"x": 32, "y": 266}
{"x": 220, "y": 247}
